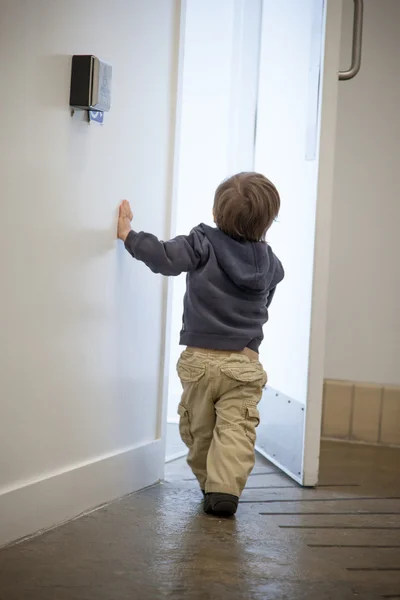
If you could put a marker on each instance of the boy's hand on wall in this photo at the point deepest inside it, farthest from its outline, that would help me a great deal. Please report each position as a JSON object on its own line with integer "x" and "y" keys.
{"x": 124, "y": 220}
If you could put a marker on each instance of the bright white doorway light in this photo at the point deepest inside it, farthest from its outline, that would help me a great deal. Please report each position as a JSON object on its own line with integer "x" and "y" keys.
{"x": 219, "y": 74}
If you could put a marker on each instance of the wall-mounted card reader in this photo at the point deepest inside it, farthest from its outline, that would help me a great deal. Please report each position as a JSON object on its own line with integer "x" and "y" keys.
{"x": 90, "y": 83}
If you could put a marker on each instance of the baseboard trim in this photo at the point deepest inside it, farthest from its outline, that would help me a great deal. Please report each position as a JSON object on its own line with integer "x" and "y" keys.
{"x": 59, "y": 498}
{"x": 358, "y": 442}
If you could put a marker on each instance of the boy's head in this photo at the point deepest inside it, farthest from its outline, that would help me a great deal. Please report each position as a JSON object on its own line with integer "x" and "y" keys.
{"x": 245, "y": 206}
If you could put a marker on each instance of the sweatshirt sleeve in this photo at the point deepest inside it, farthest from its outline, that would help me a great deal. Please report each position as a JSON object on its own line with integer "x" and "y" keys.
{"x": 270, "y": 296}
{"x": 278, "y": 276}
{"x": 179, "y": 255}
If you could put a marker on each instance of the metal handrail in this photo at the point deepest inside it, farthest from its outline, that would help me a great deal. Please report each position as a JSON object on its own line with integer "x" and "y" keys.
{"x": 357, "y": 42}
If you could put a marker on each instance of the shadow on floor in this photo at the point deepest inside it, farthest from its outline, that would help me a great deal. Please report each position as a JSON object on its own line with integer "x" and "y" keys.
{"x": 340, "y": 541}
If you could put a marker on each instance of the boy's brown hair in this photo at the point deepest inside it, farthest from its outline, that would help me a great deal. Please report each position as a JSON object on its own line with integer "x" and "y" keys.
{"x": 245, "y": 206}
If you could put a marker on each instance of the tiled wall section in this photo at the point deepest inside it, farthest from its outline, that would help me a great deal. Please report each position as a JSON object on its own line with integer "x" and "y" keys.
{"x": 361, "y": 412}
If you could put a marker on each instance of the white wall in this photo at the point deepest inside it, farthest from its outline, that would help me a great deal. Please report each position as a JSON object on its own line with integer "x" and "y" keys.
{"x": 81, "y": 323}
{"x": 363, "y": 336}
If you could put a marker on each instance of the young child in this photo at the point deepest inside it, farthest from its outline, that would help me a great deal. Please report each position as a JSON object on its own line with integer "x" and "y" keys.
{"x": 232, "y": 275}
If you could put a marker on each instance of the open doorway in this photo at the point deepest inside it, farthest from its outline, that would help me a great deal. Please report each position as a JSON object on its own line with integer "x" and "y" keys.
{"x": 251, "y": 92}
{"x": 218, "y": 99}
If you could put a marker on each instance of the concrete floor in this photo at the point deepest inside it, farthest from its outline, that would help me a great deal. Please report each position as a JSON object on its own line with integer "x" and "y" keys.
{"x": 339, "y": 542}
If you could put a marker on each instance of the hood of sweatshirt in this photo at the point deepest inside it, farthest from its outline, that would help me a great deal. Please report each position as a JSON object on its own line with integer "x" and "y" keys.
{"x": 250, "y": 265}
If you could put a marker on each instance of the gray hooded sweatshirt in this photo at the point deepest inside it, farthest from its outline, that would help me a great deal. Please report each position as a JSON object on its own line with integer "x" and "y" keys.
{"x": 229, "y": 285}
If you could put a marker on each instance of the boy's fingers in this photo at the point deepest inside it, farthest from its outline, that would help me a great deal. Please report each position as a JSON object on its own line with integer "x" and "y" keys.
{"x": 125, "y": 207}
{"x": 125, "y": 211}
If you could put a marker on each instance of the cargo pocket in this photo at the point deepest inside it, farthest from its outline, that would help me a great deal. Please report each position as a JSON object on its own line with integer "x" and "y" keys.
{"x": 252, "y": 422}
{"x": 244, "y": 371}
{"x": 190, "y": 369}
{"x": 184, "y": 425}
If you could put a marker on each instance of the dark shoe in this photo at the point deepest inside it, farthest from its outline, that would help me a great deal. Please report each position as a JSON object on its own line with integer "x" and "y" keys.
{"x": 224, "y": 505}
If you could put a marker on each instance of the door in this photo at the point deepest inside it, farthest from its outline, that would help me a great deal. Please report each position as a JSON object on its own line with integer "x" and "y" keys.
{"x": 296, "y": 114}
{"x": 262, "y": 95}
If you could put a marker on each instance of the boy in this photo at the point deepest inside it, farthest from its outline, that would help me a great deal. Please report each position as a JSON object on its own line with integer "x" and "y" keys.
{"x": 232, "y": 275}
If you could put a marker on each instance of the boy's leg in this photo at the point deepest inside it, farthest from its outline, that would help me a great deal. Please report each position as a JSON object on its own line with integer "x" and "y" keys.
{"x": 197, "y": 413}
{"x": 231, "y": 456}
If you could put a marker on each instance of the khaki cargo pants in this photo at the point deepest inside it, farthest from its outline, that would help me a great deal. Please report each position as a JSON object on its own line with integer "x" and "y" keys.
{"x": 218, "y": 416}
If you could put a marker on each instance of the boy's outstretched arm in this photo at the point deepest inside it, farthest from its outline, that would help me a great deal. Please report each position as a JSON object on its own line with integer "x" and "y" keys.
{"x": 182, "y": 254}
